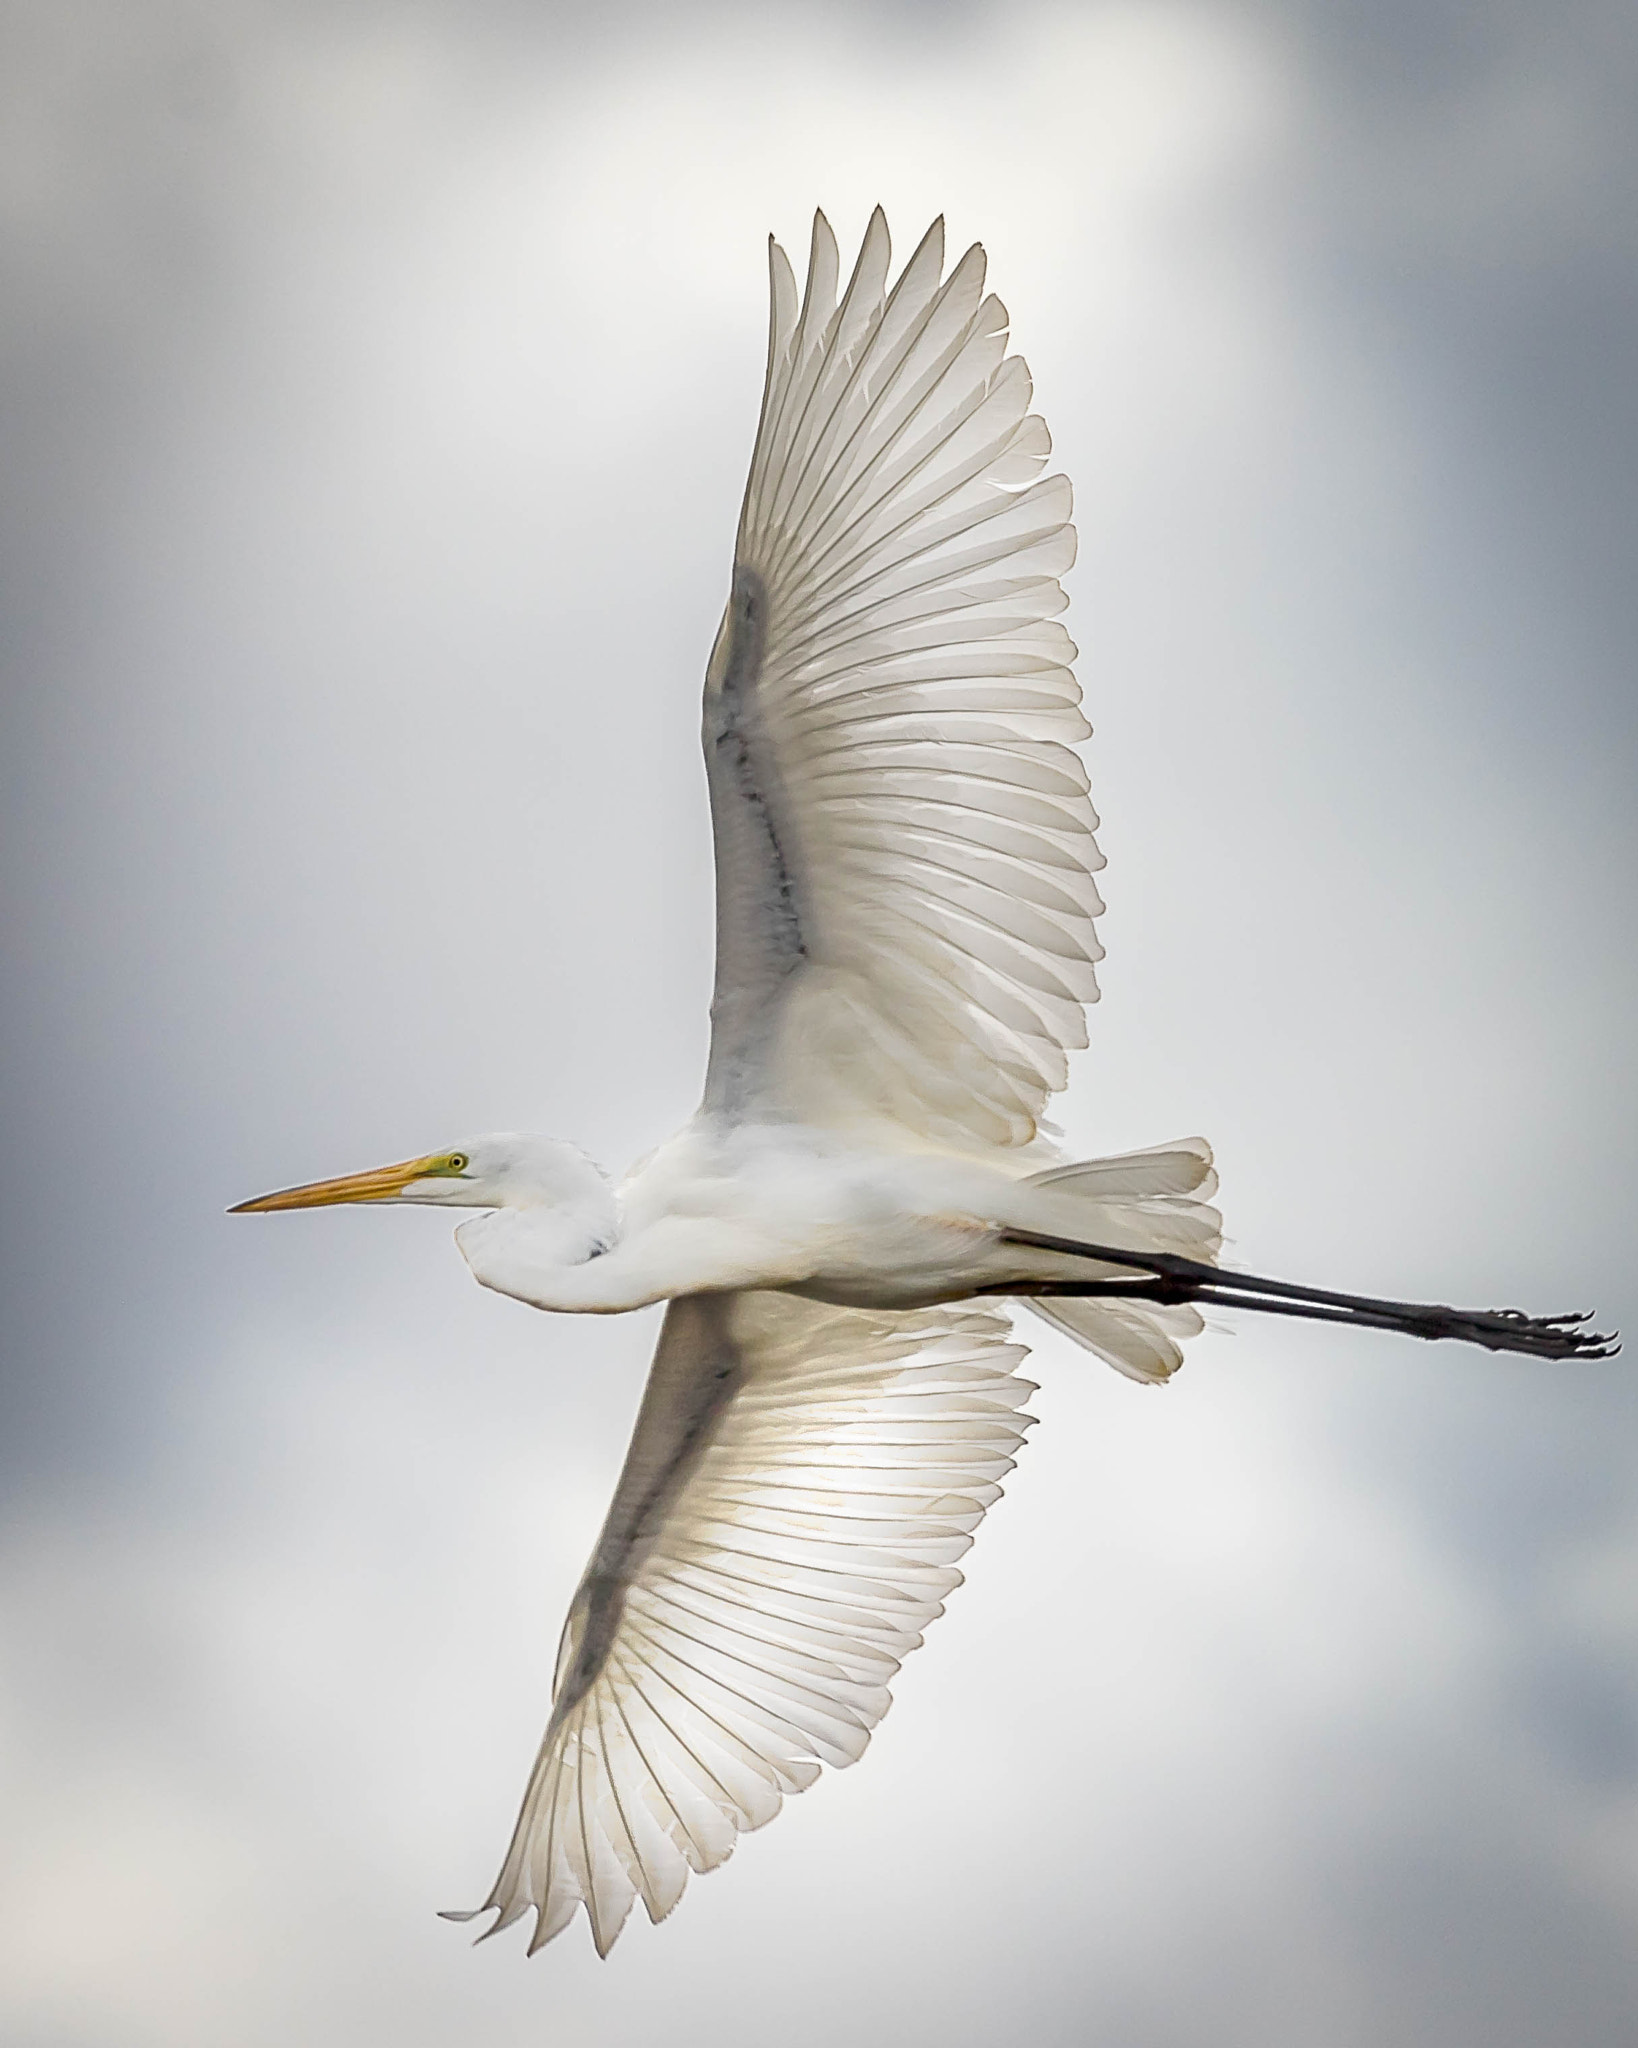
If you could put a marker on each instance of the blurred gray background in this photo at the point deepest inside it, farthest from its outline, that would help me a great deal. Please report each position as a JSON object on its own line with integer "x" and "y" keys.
{"x": 378, "y": 385}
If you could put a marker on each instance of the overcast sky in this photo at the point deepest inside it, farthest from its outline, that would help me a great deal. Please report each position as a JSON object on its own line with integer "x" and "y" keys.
{"x": 378, "y": 382}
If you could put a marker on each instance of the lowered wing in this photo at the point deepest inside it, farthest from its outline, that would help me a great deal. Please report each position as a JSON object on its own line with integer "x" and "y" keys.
{"x": 904, "y": 839}
{"x": 799, "y": 1485}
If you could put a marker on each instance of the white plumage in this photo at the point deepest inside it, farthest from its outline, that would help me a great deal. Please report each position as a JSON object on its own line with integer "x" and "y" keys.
{"x": 763, "y": 1613}
{"x": 915, "y": 714}
{"x": 905, "y": 947}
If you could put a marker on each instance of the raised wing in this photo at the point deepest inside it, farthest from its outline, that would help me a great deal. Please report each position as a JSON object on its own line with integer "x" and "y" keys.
{"x": 904, "y": 842}
{"x": 799, "y": 1485}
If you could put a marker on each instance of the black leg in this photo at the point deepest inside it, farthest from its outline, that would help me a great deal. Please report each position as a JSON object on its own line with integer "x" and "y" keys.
{"x": 1175, "y": 1279}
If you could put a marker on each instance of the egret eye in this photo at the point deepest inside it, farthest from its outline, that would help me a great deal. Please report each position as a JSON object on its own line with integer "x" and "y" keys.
{"x": 457, "y": 1162}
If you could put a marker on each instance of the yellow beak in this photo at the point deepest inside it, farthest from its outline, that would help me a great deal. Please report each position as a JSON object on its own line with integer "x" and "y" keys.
{"x": 380, "y": 1185}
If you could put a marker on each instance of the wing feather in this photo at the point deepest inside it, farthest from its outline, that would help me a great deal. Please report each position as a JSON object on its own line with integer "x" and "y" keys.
{"x": 800, "y": 1485}
{"x": 905, "y": 842}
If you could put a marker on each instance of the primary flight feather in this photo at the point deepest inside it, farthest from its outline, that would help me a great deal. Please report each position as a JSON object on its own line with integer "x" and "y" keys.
{"x": 905, "y": 948}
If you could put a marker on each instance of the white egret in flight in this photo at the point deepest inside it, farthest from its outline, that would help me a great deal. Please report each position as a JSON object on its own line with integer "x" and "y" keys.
{"x": 905, "y": 945}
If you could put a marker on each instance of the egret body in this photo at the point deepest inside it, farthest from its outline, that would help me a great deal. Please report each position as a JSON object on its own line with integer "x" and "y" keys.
{"x": 905, "y": 949}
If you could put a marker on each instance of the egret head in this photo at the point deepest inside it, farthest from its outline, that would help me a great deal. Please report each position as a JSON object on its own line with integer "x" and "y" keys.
{"x": 506, "y": 1170}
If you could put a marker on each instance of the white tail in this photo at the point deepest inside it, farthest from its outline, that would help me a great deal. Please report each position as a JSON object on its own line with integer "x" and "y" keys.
{"x": 1159, "y": 1201}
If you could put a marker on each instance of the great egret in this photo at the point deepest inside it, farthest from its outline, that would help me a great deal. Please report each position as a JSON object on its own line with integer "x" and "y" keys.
{"x": 905, "y": 906}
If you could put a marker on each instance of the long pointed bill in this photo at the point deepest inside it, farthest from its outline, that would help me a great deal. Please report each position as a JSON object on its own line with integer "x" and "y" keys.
{"x": 383, "y": 1184}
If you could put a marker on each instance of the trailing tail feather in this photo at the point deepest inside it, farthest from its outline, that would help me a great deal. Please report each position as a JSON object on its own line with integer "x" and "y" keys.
{"x": 1159, "y": 1199}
